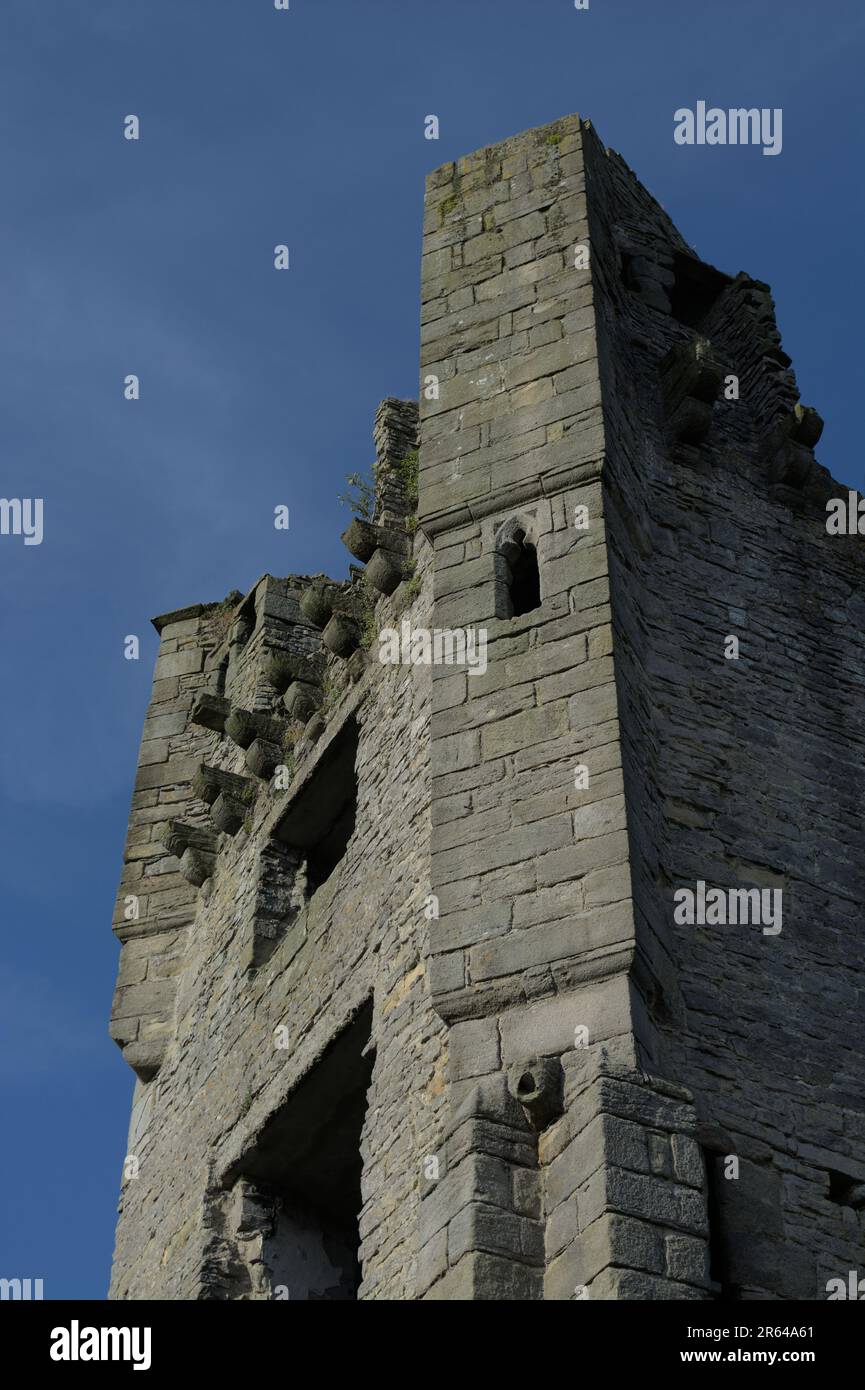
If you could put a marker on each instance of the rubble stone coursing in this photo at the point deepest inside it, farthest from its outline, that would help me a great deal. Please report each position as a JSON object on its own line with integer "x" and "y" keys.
{"x": 556, "y": 1076}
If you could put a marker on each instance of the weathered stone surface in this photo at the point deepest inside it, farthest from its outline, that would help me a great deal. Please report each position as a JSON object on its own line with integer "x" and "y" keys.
{"x": 209, "y": 782}
{"x": 178, "y": 835}
{"x": 185, "y": 663}
{"x": 263, "y": 756}
{"x": 210, "y": 711}
{"x": 244, "y": 726}
{"x": 317, "y": 604}
{"x": 302, "y": 699}
{"x": 341, "y": 635}
{"x": 428, "y": 1008}
{"x": 228, "y": 813}
{"x": 363, "y": 537}
{"x": 360, "y": 538}
{"x": 196, "y": 866}
{"x": 281, "y": 667}
{"x": 384, "y": 571}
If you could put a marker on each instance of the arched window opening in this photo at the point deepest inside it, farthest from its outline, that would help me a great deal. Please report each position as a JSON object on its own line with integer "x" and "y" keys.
{"x": 525, "y": 583}
{"x": 517, "y": 572}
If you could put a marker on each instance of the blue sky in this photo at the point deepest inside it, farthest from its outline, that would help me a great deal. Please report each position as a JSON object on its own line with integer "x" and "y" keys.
{"x": 259, "y": 388}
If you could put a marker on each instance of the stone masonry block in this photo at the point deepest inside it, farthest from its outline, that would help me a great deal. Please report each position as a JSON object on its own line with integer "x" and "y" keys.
{"x": 610, "y": 1240}
{"x": 478, "y": 1227}
{"x": 474, "y": 1048}
{"x": 687, "y": 1160}
{"x": 447, "y": 972}
{"x": 186, "y": 663}
{"x": 481, "y": 1136}
{"x": 489, "y": 1278}
{"x": 519, "y": 951}
{"x": 628, "y": 1285}
{"x": 549, "y": 1027}
{"x": 651, "y": 1198}
{"x": 479, "y": 1178}
{"x": 687, "y": 1259}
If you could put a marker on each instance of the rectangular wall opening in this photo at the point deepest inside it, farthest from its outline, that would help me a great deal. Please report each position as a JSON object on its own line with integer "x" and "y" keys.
{"x": 309, "y": 1159}
{"x": 846, "y": 1190}
{"x": 696, "y": 290}
{"x": 716, "y": 1198}
{"x": 320, "y": 820}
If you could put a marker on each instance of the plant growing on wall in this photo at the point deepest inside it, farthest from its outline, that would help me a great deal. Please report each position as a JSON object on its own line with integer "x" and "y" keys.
{"x": 362, "y": 500}
{"x": 409, "y": 472}
{"x": 222, "y": 616}
{"x": 366, "y": 614}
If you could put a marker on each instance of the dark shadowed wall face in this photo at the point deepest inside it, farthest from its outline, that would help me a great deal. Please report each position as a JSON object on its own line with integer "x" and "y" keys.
{"x": 740, "y": 670}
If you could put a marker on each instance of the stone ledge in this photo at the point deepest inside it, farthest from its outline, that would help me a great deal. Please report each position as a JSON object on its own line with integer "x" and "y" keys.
{"x": 179, "y": 615}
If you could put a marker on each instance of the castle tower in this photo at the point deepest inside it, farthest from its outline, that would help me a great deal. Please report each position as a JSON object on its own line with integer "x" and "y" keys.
{"x": 531, "y": 974}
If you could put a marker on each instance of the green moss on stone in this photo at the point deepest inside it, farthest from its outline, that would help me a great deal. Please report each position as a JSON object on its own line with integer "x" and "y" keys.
{"x": 449, "y": 205}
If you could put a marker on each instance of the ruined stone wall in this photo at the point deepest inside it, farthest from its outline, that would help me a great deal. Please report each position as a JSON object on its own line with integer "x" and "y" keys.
{"x": 155, "y": 904}
{"x": 535, "y": 954}
{"x": 740, "y": 773}
{"x": 268, "y": 974}
{"x": 544, "y": 1078}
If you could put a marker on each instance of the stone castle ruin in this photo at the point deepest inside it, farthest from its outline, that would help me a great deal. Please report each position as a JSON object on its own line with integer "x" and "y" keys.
{"x": 402, "y": 981}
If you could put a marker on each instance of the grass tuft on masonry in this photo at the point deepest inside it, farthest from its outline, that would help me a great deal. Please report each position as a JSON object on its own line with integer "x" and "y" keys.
{"x": 409, "y": 471}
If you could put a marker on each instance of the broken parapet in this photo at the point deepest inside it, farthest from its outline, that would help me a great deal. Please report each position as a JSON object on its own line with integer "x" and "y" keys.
{"x": 241, "y": 690}
{"x": 383, "y": 542}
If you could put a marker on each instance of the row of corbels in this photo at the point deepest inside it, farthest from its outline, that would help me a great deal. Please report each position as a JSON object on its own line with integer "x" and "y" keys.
{"x": 259, "y": 734}
{"x": 385, "y": 551}
{"x": 194, "y": 846}
{"x": 229, "y": 797}
{"x": 297, "y": 679}
{"x": 337, "y": 612}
